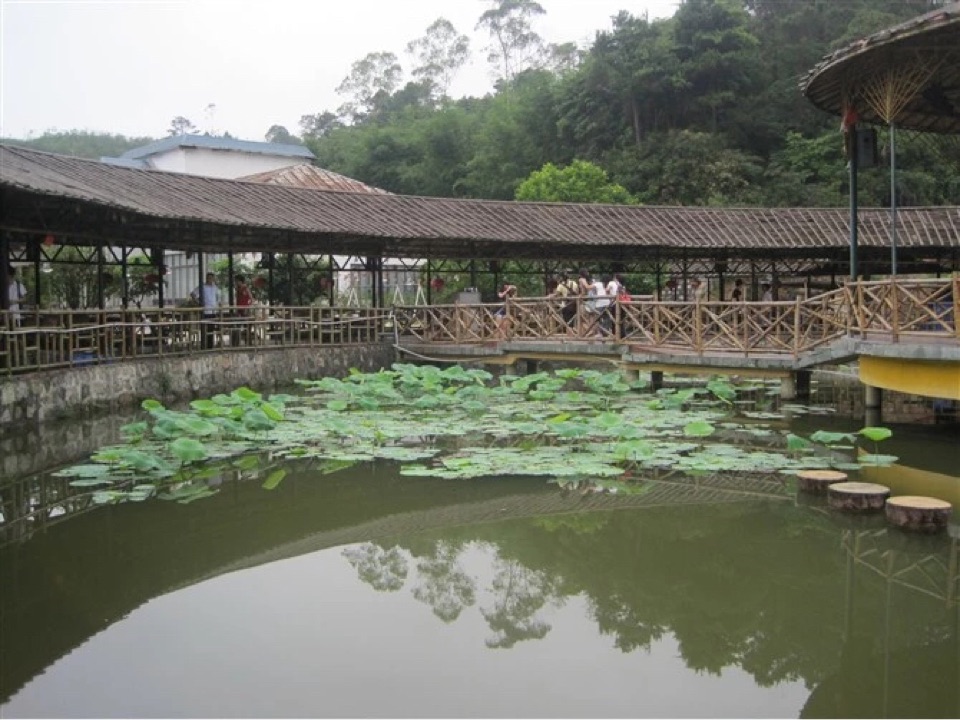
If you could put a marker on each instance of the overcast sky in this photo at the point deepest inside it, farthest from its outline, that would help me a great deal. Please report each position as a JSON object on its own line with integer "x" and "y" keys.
{"x": 130, "y": 67}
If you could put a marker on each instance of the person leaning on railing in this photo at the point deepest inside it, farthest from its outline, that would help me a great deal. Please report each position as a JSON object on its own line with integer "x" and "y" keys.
{"x": 244, "y": 299}
{"x": 16, "y": 293}
{"x": 503, "y": 322}
{"x": 208, "y": 295}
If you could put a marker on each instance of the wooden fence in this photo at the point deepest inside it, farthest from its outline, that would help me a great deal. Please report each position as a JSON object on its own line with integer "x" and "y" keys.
{"x": 56, "y": 339}
{"x": 889, "y": 310}
{"x": 885, "y": 310}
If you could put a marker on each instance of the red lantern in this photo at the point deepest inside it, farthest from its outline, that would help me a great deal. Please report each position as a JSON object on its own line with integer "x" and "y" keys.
{"x": 260, "y": 282}
{"x": 48, "y": 239}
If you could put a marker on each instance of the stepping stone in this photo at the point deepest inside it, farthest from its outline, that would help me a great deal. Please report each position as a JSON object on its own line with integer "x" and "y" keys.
{"x": 817, "y": 481}
{"x": 857, "y": 496}
{"x": 915, "y": 512}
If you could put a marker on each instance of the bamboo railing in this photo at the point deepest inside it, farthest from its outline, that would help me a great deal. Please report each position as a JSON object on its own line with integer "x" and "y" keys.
{"x": 888, "y": 310}
{"x": 58, "y": 339}
{"x": 892, "y": 310}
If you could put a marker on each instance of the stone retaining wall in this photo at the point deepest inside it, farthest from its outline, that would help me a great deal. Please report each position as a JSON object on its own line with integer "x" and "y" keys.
{"x": 44, "y": 396}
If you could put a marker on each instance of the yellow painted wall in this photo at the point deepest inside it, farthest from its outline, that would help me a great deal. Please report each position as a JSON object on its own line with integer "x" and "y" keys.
{"x": 914, "y": 377}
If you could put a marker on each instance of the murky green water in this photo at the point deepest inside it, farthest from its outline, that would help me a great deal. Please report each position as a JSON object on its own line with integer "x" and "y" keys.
{"x": 364, "y": 593}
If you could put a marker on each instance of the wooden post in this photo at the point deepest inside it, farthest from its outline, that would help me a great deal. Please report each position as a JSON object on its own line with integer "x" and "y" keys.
{"x": 872, "y": 405}
{"x": 894, "y": 309}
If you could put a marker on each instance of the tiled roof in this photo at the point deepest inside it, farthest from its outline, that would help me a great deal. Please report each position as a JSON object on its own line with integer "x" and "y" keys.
{"x": 311, "y": 176}
{"x": 54, "y": 193}
{"x": 928, "y": 45}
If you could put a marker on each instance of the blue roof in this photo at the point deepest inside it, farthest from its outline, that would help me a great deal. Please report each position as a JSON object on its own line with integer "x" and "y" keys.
{"x": 125, "y": 162}
{"x": 214, "y": 143}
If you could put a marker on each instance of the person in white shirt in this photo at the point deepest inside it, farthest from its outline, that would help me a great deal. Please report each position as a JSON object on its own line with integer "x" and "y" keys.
{"x": 208, "y": 295}
{"x": 16, "y": 292}
{"x": 602, "y": 305}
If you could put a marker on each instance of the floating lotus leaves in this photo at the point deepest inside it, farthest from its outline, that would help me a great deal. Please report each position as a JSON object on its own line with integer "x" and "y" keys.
{"x": 188, "y": 450}
{"x": 698, "y": 428}
{"x": 582, "y": 427}
{"x": 274, "y": 478}
{"x": 876, "y": 434}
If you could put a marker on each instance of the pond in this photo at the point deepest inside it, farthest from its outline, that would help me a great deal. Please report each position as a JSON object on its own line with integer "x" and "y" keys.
{"x": 357, "y": 588}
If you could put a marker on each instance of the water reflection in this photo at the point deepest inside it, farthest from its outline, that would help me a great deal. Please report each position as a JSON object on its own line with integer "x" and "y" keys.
{"x": 492, "y": 598}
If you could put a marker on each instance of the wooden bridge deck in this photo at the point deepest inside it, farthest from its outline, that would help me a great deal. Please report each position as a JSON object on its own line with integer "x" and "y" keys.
{"x": 905, "y": 319}
{"x": 909, "y": 320}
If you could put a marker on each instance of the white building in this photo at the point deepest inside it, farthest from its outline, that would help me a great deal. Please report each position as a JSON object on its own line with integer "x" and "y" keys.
{"x": 218, "y": 157}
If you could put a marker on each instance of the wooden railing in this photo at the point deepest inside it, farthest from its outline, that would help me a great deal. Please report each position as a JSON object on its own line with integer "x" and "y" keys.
{"x": 888, "y": 310}
{"x": 55, "y": 339}
{"x": 891, "y": 310}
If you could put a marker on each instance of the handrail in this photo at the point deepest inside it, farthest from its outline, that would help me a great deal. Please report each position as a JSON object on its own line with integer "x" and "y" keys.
{"x": 60, "y": 339}
{"x": 894, "y": 310}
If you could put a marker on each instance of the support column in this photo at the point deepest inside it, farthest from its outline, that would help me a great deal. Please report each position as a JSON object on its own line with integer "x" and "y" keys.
{"x": 231, "y": 300}
{"x": 656, "y": 379}
{"x": 802, "y": 381}
{"x": 788, "y": 387}
{"x": 872, "y": 402}
{"x": 5, "y": 272}
{"x": 532, "y": 366}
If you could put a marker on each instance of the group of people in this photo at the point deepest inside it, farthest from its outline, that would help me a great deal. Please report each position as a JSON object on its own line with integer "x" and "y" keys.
{"x": 210, "y": 298}
{"x": 597, "y": 298}
{"x": 572, "y": 288}
{"x": 738, "y": 294}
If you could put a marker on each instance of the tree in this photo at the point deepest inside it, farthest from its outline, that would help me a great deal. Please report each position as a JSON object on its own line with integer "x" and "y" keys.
{"x": 719, "y": 56}
{"x": 82, "y": 143}
{"x": 369, "y": 76}
{"x": 73, "y": 280}
{"x": 441, "y": 52}
{"x": 143, "y": 280}
{"x": 319, "y": 125}
{"x": 517, "y": 133}
{"x": 181, "y": 126}
{"x": 279, "y": 134}
{"x": 515, "y": 47}
{"x": 580, "y": 181}
{"x": 683, "y": 167}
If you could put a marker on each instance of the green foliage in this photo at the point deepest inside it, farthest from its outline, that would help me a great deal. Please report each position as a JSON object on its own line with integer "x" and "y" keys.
{"x": 580, "y": 181}
{"x": 81, "y": 143}
{"x": 74, "y": 282}
{"x": 698, "y": 109}
{"x": 876, "y": 434}
{"x": 578, "y": 428}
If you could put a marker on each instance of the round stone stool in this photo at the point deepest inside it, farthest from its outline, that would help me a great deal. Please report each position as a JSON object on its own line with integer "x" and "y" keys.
{"x": 858, "y": 497}
{"x": 817, "y": 481}
{"x": 915, "y": 512}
